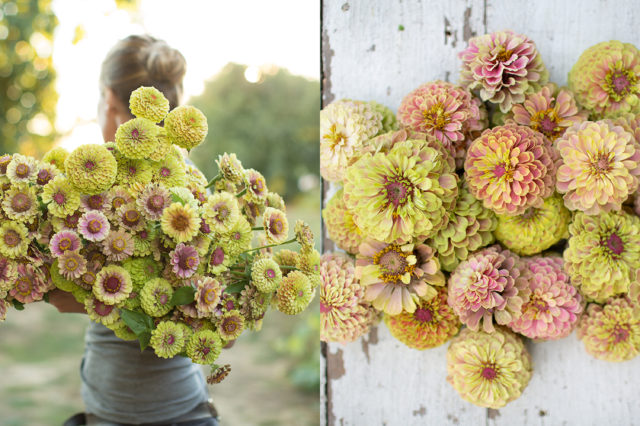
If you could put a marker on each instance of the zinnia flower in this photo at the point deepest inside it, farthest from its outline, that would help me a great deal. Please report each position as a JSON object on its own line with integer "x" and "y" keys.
{"x": 130, "y": 219}
{"x": 170, "y": 172}
{"x": 489, "y": 286}
{"x": 256, "y": 186}
{"x": 468, "y": 229}
{"x": 149, "y": 103}
{"x": 8, "y": 272}
{"x": 549, "y": 111}
{"x": 294, "y": 294}
{"x": 99, "y": 202}
{"x": 134, "y": 172}
{"x": 167, "y": 339}
{"x": 136, "y": 138}
{"x": 431, "y": 324}
{"x": 266, "y": 274}
{"x": 46, "y": 173}
{"x": 340, "y": 226}
{"x": 611, "y": 332}
{"x": 14, "y": 240}
{"x": 606, "y": 79}
{"x": 64, "y": 241}
{"x": 155, "y": 297}
{"x": 511, "y": 168}
{"x": 72, "y": 265}
{"x": 554, "y": 306}
{"x": 117, "y": 246}
{"x": 276, "y": 226}
{"x": 395, "y": 277}
{"x": 207, "y": 295}
{"x": 20, "y": 203}
{"x": 185, "y": 260}
{"x": 231, "y": 325}
{"x": 603, "y": 253}
{"x": 204, "y": 347}
{"x": 442, "y": 110}
{"x": 536, "y": 229}
{"x": 94, "y": 226}
{"x": 221, "y": 211}
{"x": 22, "y": 169}
{"x": 230, "y": 168}
{"x": 56, "y": 156}
{"x": 186, "y": 126}
{"x": 60, "y": 197}
{"x": 113, "y": 285}
{"x": 504, "y": 66}
{"x": 28, "y": 285}
{"x": 101, "y": 312}
{"x": 488, "y": 369}
{"x": 344, "y": 127}
{"x": 400, "y": 195}
{"x": 344, "y": 314}
{"x": 180, "y": 222}
{"x": 91, "y": 169}
{"x": 239, "y": 237}
{"x": 153, "y": 200}
{"x": 600, "y": 166}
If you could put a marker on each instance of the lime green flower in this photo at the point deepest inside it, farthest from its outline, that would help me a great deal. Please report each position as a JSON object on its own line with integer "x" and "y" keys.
{"x": 113, "y": 285}
{"x": 401, "y": 195}
{"x": 180, "y": 222}
{"x": 91, "y": 169}
{"x": 231, "y": 325}
{"x": 56, "y": 156}
{"x": 60, "y": 196}
{"x": 170, "y": 172}
{"x": 101, "y": 312}
{"x": 340, "y": 226}
{"x": 488, "y": 369}
{"x": 136, "y": 138}
{"x": 536, "y": 229}
{"x": 603, "y": 253}
{"x": 132, "y": 172}
{"x": 155, "y": 297}
{"x": 167, "y": 339}
{"x": 186, "y": 126}
{"x": 294, "y": 293}
{"x": 266, "y": 274}
{"x": 149, "y": 103}
{"x": 14, "y": 240}
{"x": 20, "y": 203}
{"x": 204, "y": 347}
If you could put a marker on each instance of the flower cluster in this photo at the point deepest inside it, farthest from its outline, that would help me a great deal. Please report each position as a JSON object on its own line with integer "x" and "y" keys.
{"x": 553, "y": 173}
{"x": 131, "y": 230}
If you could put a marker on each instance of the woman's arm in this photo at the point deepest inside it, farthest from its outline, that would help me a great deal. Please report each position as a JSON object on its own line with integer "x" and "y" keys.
{"x": 65, "y": 302}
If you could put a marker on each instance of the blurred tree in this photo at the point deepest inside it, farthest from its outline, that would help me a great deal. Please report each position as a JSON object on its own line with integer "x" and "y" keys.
{"x": 27, "y": 94}
{"x": 271, "y": 125}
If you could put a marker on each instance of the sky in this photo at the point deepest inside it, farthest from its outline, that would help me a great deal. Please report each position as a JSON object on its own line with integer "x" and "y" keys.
{"x": 209, "y": 33}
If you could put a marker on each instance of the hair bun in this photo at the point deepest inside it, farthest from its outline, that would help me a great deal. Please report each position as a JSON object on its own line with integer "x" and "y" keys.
{"x": 165, "y": 63}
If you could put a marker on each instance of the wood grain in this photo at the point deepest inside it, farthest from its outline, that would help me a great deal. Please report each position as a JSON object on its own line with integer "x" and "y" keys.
{"x": 380, "y": 50}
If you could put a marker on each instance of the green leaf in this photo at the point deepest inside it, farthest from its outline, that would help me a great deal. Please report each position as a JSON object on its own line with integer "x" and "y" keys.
{"x": 177, "y": 199}
{"x": 183, "y": 296}
{"x": 46, "y": 297}
{"x": 18, "y": 305}
{"x": 144, "y": 338}
{"x": 138, "y": 322}
{"x": 235, "y": 288}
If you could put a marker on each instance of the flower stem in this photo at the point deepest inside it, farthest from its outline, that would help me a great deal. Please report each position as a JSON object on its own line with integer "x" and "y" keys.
{"x": 241, "y": 193}
{"x": 214, "y": 180}
{"x": 270, "y": 245}
{"x": 258, "y": 228}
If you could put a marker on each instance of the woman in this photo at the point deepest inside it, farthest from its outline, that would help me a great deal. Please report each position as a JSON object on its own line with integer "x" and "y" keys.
{"x": 120, "y": 384}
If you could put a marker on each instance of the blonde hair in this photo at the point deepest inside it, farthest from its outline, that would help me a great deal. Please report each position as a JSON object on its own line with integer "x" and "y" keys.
{"x": 142, "y": 60}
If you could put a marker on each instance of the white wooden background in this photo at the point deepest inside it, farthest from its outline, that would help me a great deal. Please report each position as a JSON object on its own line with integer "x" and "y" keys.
{"x": 382, "y": 49}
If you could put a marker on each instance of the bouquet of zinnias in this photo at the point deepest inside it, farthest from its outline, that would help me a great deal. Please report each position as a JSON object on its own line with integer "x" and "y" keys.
{"x": 152, "y": 249}
{"x": 552, "y": 178}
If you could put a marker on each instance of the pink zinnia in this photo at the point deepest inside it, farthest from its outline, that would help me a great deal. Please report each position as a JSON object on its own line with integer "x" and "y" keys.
{"x": 28, "y": 286}
{"x": 207, "y": 296}
{"x": 118, "y": 246}
{"x": 64, "y": 241}
{"x": 99, "y": 202}
{"x": 185, "y": 260}
{"x": 554, "y": 306}
{"x": 487, "y": 286}
{"x": 94, "y": 226}
{"x": 72, "y": 265}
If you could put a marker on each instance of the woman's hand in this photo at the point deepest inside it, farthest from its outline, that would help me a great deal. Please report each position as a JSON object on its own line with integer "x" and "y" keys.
{"x": 65, "y": 302}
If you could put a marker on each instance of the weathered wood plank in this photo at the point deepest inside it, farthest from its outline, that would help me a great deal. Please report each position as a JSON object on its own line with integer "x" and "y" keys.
{"x": 380, "y": 50}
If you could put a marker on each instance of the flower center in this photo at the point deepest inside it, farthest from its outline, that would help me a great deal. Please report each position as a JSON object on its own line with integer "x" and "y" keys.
{"x": 22, "y": 170}
{"x": 324, "y": 308}
{"x": 156, "y": 202}
{"x": 398, "y": 191}
{"x": 165, "y": 172}
{"x": 620, "y": 333}
{"x": 222, "y": 213}
{"x": 504, "y": 55}
{"x": 180, "y": 223}
{"x": 132, "y": 170}
{"x": 436, "y": 117}
{"x": 71, "y": 220}
{"x": 620, "y": 83}
{"x": 336, "y": 138}
{"x": 163, "y": 299}
{"x": 503, "y": 170}
{"x": 393, "y": 263}
{"x": 65, "y": 244}
{"x": 135, "y": 133}
{"x": 230, "y": 305}
{"x": 23, "y": 285}
{"x": 210, "y": 295}
{"x": 489, "y": 373}
{"x": 89, "y": 165}
{"x": 59, "y": 198}
{"x": 11, "y": 238}
{"x": 204, "y": 227}
{"x": 131, "y": 217}
{"x": 95, "y": 202}
{"x": 102, "y": 309}
{"x": 615, "y": 244}
{"x": 43, "y": 177}
{"x": 276, "y": 226}
{"x": 112, "y": 285}
{"x": 189, "y": 262}
{"x": 230, "y": 325}
{"x": 171, "y": 339}
{"x": 4, "y": 162}
{"x": 423, "y": 315}
{"x": 270, "y": 273}
{"x": 71, "y": 264}
{"x": 94, "y": 226}
{"x": 546, "y": 122}
{"x": 117, "y": 202}
{"x": 21, "y": 203}
{"x": 118, "y": 244}
{"x": 143, "y": 234}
